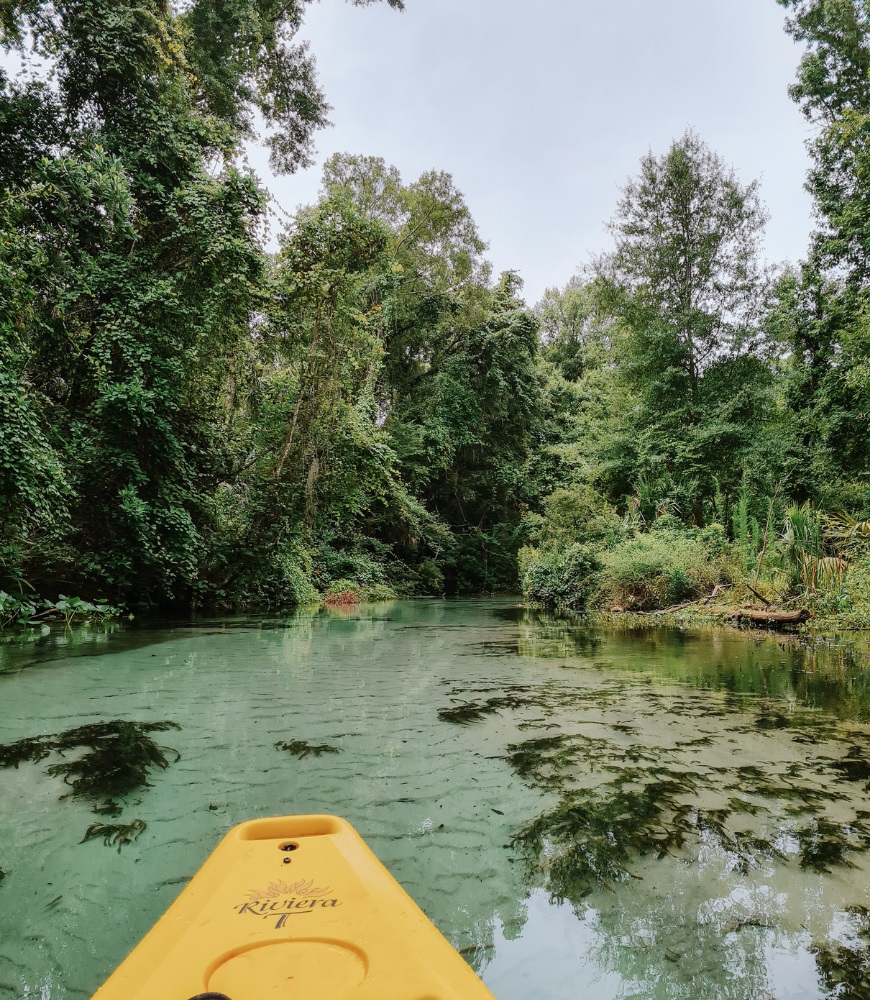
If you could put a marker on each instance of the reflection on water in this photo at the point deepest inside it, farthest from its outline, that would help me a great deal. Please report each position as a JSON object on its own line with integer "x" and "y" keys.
{"x": 613, "y": 813}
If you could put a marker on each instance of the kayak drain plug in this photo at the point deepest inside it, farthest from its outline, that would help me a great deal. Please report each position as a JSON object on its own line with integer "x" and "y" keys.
{"x": 210, "y": 996}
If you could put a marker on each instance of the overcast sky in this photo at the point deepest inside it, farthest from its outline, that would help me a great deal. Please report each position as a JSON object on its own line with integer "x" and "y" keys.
{"x": 541, "y": 109}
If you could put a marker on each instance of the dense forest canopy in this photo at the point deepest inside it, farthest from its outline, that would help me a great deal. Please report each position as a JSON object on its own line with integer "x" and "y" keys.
{"x": 189, "y": 419}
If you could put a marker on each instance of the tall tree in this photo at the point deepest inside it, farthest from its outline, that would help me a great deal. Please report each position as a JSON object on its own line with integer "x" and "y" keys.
{"x": 131, "y": 251}
{"x": 458, "y": 386}
{"x": 686, "y": 282}
{"x": 825, "y": 322}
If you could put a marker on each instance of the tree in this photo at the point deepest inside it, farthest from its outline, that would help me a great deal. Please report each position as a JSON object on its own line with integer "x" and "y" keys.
{"x": 824, "y": 310}
{"x": 438, "y": 254}
{"x": 458, "y": 388}
{"x": 685, "y": 268}
{"x": 131, "y": 250}
{"x": 686, "y": 284}
{"x": 575, "y": 330}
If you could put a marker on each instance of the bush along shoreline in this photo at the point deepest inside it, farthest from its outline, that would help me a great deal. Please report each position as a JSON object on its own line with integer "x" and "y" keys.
{"x": 802, "y": 568}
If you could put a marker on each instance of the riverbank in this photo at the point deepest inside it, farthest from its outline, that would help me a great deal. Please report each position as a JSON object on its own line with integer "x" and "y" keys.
{"x": 737, "y": 610}
{"x": 829, "y": 625}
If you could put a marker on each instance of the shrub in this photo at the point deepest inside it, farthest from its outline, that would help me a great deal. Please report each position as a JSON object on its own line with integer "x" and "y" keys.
{"x": 561, "y": 577}
{"x": 69, "y": 610}
{"x": 353, "y": 592}
{"x": 670, "y": 564}
{"x": 416, "y": 579}
{"x": 281, "y": 578}
{"x": 576, "y": 514}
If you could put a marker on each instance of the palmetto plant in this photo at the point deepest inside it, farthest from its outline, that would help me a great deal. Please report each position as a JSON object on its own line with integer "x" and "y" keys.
{"x": 803, "y": 546}
{"x": 847, "y": 528}
{"x": 814, "y": 549}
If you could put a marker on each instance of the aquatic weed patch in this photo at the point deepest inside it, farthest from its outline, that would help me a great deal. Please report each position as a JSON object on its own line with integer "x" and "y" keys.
{"x": 651, "y": 807}
{"x": 114, "y": 759}
{"x": 301, "y": 749}
{"x": 592, "y": 837}
{"x": 118, "y": 757}
{"x": 844, "y": 966}
{"x": 465, "y": 712}
{"x": 516, "y": 697}
{"x": 621, "y": 798}
{"x": 115, "y": 834}
{"x": 825, "y": 844}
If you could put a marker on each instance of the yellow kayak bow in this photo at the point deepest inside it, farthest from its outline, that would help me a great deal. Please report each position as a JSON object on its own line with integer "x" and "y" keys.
{"x": 289, "y": 908}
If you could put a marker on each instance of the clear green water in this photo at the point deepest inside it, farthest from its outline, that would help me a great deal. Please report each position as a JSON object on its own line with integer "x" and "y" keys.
{"x": 691, "y": 811}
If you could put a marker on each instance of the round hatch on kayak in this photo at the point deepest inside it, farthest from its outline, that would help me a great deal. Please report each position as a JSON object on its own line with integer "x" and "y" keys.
{"x": 290, "y": 969}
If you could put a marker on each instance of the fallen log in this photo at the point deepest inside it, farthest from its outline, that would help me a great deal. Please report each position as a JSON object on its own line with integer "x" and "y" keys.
{"x": 771, "y": 619}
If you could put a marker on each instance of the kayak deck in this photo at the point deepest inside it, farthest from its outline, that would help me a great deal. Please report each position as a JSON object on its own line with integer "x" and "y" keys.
{"x": 292, "y": 907}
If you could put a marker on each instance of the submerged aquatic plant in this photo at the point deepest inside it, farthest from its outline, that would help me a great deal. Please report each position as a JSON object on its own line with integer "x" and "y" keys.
{"x": 517, "y": 696}
{"x": 476, "y": 711}
{"x": 115, "y": 834}
{"x": 823, "y": 844}
{"x": 620, "y": 799}
{"x": 592, "y": 837}
{"x": 853, "y": 767}
{"x": 30, "y": 750}
{"x": 844, "y": 966}
{"x": 117, "y": 759}
{"x": 300, "y": 749}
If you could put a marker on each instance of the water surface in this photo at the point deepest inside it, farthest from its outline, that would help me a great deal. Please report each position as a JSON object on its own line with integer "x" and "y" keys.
{"x": 582, "y": 811}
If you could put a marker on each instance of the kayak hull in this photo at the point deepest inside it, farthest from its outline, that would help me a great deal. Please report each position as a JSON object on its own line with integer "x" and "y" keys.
{"x": 292, "y": 907}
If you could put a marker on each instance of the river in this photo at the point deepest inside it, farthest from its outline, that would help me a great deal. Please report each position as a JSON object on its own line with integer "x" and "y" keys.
{"x": 582, "y": 811}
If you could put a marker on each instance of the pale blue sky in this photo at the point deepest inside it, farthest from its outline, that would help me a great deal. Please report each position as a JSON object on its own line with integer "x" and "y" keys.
{"x": 540, "y": 110}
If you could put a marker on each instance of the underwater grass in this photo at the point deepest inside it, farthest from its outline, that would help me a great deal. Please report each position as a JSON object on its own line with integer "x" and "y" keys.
{"x": 118, "y": 758}
{"x": 475, "y": 711}
{"x": 659, "y": 801}
{"x": 515, "y": 697}
{"x": 115, "y": 834}
{"x": 844, "y": 967}
{"x": 300, "y": 748}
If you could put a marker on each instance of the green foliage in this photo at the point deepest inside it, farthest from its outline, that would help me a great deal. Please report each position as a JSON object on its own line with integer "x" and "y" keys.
{"x": 15, "y": 611}
{"x": 578, "y": 513}
{"x": 746, "y": 529}
{"x": 458, "y": 387}
{"x": 824, "y": 308}
{"x": 802, "y": 546}
{"x": 686, "y": 294}
{"x": 352, "y": 592}
{"x": 576, "y": 331}
{"x": 133, "y": 271}
{"x": 188, "y": 420}
{"x": 669, "y": 564}
{"x": 565, "y": 578}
